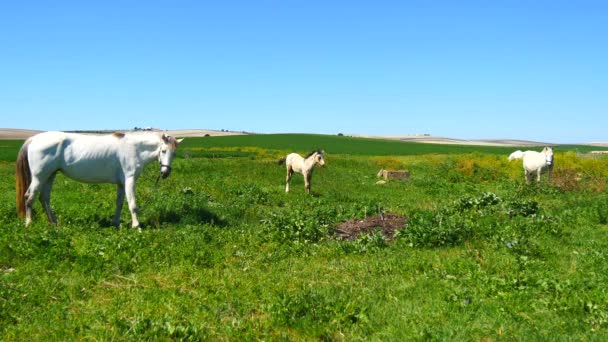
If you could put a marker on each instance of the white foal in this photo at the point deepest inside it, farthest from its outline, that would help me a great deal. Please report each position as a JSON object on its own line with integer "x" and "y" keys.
{"x": 295, "y": 163}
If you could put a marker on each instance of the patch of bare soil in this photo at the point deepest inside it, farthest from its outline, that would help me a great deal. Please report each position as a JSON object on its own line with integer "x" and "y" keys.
{"x": 17, "y": 134}
{"x": 387, "y": 223}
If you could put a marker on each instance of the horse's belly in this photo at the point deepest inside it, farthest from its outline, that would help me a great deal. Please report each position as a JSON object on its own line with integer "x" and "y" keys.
{"x": 92, "y": 173}
{"x": 530, "y": 167}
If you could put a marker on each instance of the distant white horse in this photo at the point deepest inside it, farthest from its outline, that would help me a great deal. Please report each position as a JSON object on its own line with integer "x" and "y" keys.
{"x": 535, "y": 162}
{"x": 118, "y": 158}
{"x": 305, "y": 166}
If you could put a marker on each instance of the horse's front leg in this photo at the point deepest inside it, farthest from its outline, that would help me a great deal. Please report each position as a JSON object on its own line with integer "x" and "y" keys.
{"x": 130, "y": 193}
{"x": 538, "y": 172}
{"x": 120, "y": 199}
{"x": 527, "y": 176}
{"x": 307, "y": 177}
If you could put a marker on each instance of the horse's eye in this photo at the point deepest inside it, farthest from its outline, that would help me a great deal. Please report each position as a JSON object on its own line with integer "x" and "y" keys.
{"x": 164, "y": 151}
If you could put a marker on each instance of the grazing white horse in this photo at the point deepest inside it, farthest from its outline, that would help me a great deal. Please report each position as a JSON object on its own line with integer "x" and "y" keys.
{"x": 305, "y": 166}
{"x": 535, "y": 162}
{"x": 118, "y": 158}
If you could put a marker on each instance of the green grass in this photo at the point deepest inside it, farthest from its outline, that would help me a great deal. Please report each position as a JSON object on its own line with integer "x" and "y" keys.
{"x": 352, "y": 146}
{"x": 9, "y": 150}
{"x": 227, "y": 255}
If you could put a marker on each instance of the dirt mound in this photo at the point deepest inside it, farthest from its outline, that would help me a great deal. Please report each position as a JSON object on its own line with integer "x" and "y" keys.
{"x": 387, "y": 223}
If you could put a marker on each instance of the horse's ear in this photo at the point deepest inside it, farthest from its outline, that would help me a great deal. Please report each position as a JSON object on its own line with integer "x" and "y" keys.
{"x": 164, "y": 137}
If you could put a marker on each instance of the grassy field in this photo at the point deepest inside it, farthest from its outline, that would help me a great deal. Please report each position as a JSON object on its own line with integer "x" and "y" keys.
{"x": 226, "y": 254}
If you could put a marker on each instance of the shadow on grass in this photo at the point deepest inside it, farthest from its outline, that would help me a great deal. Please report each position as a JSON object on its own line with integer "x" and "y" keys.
{"x": 193, "y": 216}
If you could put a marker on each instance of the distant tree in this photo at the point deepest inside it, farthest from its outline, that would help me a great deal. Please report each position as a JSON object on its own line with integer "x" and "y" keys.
{"x": 340, "y": 134}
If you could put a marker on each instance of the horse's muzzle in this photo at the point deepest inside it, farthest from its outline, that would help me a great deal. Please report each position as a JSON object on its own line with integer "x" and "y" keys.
{"x": 165, "y": 171}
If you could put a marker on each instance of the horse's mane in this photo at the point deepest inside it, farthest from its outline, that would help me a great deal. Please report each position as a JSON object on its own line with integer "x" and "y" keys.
{"x": 313, "y": 152}
{"x": 170, "y": 139}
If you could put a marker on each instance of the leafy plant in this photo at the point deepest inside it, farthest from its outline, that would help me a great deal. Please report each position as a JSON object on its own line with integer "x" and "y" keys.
{"x": 299, "y": 225}
{"x": 522, "y": 207}
{"x": 322, "y": 310}
{"x": 602, "y": 213}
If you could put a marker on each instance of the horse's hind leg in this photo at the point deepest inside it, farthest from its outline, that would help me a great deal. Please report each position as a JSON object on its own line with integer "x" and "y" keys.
{"x": 120, "y": 199}
{"x": 45, "y": 198}
{"x": 30, "y": 196}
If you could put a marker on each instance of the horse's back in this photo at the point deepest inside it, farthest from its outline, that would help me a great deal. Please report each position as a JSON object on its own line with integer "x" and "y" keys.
{"x": 294, "y": 161}
{"x": 73, "y": 146}
{"x": 87, "y": 158}
{"x": 44, "y": 150}
{"x": 533, "y": 160}
{"x": 46, "y": 141}
{"x": 293, "y": 157}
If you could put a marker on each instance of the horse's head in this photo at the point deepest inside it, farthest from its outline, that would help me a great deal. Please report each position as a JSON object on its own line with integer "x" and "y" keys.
{"x": 168, "y": 147}
{"x": 548, "y": 152}
{"x": 318, "y": 155}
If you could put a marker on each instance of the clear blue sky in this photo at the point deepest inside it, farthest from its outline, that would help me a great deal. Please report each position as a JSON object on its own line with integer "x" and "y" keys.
{"x": 464, "y": 69}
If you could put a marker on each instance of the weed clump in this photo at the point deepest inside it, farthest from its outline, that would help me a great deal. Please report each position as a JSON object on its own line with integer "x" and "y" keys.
{"x": 324, "y": 310}
{"x": 302, "y": 225}
{"x": 486, "y": 216}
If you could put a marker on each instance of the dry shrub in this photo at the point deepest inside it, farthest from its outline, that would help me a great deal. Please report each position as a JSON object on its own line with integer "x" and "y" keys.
{"x": 571, "y": 180}
{"x": 466, "y": 166}
{"x": 389, "y": 163}
{"x": 566, "y": 179}
{"x": 579, "y": 173}
{"x": 597, "y": 184}
{"x": 586, "y": 166}
{"x": 483, "y": 167}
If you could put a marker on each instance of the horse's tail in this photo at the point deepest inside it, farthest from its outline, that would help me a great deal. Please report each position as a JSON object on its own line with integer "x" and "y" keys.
{"x": 23, "y": 178}
{"x": 516, "y": 155}
{"x": 282, "y": 161}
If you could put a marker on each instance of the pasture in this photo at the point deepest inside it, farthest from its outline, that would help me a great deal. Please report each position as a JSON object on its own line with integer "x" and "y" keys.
{"x": 226, "y": 254}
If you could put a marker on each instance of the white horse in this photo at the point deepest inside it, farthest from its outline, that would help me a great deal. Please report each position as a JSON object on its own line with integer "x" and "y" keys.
{"x": 118, "y": 159}
{"x": 535, "y": 162}
{"x": 305, "y": 166}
